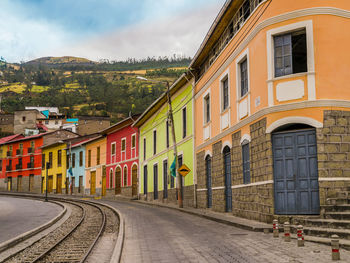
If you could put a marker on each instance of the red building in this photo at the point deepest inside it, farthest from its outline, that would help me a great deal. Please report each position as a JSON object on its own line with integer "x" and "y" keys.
{"x": 21, "y": 161}
{"x": 122, "y": 158}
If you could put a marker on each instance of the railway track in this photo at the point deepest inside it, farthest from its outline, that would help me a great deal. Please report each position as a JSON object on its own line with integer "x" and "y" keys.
{"x": 76, "y": 238}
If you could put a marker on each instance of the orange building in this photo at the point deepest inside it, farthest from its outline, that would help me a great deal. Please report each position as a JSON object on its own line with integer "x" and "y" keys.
{"x": 95, "y": 166}
{"x": 272, "y": 107}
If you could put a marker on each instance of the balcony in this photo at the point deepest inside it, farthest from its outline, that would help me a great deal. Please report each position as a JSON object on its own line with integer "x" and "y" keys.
{"x": 9, "y": 153}
{"x": 19, "y": 152}
{"x": 19, "y": 166}
{"x": 30, "y": 165}
{"x": 30, "y": 150}
{"x": 8, "y": 168}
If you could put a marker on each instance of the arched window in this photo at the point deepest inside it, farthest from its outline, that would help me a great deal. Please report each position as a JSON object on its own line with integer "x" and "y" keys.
{"x": 125, "y": 176}
{"x": 111, "y": 179}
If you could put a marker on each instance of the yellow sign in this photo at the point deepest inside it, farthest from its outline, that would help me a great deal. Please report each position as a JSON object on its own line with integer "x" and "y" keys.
{"x": 184, "y": 170}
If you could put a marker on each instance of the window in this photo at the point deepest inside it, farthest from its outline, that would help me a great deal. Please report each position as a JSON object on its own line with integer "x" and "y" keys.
{"x": 167, "y": 133}
{"x": 59, "y": 158}
{"x": 46, "y": 122}
{"x": 125, "y": 176}
{"x": 98, "y": 155}
{"x": 123, "y": 145}
{"x": 81, "y": 158}
{"x": 21, "y": 148}
{"x": 133, "y": 141}
{"x": 89, "y": 158}
{"x": 68, "y": 160}
{"x": 50, "y": 159}
{"x": 207, "y": 109}
{"x": 246, "y": 163}
{"x": 73, "y": 160}
{"x": 32, "y": 145}
{"x": 224, "y": 93}
{"x": 154, "y": 142}
{"x": 32, "y": 161}
{"x": 184, "y": 122}
{"x": 43, "y": 161}
{"x": 144, "y": 148}
{"x": 23, "y": 118}
{"x": 56, "y": 122}
{"x": 243, "y": 77}
{"x": 290, "y": 53}
{"x": 113, "y": 148}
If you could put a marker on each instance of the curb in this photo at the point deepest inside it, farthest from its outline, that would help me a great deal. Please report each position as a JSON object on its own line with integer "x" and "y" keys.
{"x": 14, "y": 241}
{"x": 212, "y": 218}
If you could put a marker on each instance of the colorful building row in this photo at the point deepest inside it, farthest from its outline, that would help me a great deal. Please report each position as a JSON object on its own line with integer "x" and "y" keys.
{"x": 262, "y": 121}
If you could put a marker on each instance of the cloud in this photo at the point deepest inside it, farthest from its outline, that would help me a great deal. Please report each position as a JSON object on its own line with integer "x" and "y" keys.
{"x": 179, "y": 34}
{"x": 26, "y": 39}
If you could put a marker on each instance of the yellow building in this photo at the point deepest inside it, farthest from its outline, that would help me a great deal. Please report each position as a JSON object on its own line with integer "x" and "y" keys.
{"x": 95, "y": 166}
{"x": 56, "y": 156}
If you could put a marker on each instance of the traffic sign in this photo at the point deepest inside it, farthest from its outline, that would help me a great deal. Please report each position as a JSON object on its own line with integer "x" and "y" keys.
{"x": 184, "y": 170}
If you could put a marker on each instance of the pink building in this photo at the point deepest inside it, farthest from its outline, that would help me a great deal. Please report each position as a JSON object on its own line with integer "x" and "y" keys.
{"x": 122, "y": 158}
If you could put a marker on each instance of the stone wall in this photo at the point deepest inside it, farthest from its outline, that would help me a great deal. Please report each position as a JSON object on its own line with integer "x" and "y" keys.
{"x": 201, "y": 180}
{"x": 127, "y": 191}
{"x": 333, "y": 148}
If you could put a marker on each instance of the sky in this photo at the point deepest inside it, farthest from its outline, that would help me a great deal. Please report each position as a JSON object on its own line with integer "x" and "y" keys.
{"x": 103, "y": 29}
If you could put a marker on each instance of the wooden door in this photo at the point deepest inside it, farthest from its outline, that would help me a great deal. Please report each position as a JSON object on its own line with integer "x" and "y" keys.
{"x": 165, "y": 179}
{"x": 295, "y": 172}
{"x": 59, "y": 184}
{"x": 228, "y": 183}
{"x": 73, "y": 184}
{"x": 9, "y": 183}
{"x": 209, "y": 183}
{"x": 80, "y": 184}
{"x": 134, "y": 180}
{"x": 19, "y": 183}
{"x": 155, "y": 181}
{"x": 118, "y": 175}
{"x": 50, "y": 184}
{"x": 104, "y": 180}
{"x": 93, "y": 183}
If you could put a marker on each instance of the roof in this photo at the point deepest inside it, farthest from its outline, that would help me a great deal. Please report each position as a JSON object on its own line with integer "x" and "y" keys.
{"x": 92, "y": 139}
{"x": 211, "y": 38}
{"x": 10, "y": 138}
{"x": 41, "y": 126}
{"x": 84, "y": 139}
{"x": 122, "y": 124}
{"x": 156, "y": 105}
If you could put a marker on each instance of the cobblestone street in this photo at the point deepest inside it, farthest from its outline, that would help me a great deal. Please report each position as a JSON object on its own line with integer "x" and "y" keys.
{"x": 154, "y": 234}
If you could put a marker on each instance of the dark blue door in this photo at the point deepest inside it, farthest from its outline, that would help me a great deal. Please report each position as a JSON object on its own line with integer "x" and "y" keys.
{"x": 155, "y": 181}
{"x": 295, "y": 172}
{"x": 227, "y": 170}
{"x": 208, "y": 172}
{"x": 165, "y": 179}
{"x": 145, "y": 179}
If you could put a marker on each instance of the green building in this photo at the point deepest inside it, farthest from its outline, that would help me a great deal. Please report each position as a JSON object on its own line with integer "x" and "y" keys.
{"x": 156, "y": 145}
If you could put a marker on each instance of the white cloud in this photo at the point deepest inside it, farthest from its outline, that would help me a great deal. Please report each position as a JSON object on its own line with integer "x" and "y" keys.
{"x": 27, "y": 39}
{"x": 181, "y": 34}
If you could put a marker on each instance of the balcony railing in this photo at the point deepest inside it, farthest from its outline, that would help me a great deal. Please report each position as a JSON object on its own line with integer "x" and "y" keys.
{"x": 19, "y": 152}
{"x": 18, "y": 166}
{"x": 30, "y": 165}
{"x": 8, "y": 168}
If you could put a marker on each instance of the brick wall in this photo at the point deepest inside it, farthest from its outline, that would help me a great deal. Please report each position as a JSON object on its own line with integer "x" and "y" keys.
{"x": 333, "y": 148}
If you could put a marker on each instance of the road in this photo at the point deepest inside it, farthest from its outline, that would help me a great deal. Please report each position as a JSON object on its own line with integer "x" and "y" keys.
{"x": 155, "y": 234}
{"x": 19, "y": 215}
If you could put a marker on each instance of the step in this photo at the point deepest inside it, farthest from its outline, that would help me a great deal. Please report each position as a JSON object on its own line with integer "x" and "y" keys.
{"x": 336, "y": 208}
{"x": 337, "y": 201}
{"x": 327, "y": 223}
{"x": 337, "y": 215}
{"x": 325, "y": 232}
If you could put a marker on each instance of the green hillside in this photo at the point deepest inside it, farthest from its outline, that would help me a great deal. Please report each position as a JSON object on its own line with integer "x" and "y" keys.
{"x": 79, "y": 86}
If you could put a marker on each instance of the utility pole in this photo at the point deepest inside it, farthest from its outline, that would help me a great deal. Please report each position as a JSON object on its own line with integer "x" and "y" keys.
{"x": 178, "y": 179}
{"x": 47, "y": 171}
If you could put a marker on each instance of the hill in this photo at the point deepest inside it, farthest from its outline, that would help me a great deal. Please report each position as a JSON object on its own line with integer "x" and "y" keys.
{"x": 79, "y": 86}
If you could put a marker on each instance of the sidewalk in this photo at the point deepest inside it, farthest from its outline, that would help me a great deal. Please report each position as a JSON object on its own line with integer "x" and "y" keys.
{"x": 224, "y": 218}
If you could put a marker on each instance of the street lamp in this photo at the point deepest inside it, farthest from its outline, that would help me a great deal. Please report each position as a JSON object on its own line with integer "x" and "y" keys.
{"x": 178, "y": 183}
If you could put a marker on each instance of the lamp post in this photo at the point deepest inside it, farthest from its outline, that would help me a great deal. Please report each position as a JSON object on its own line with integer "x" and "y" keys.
{"x": 178, "y": 181}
